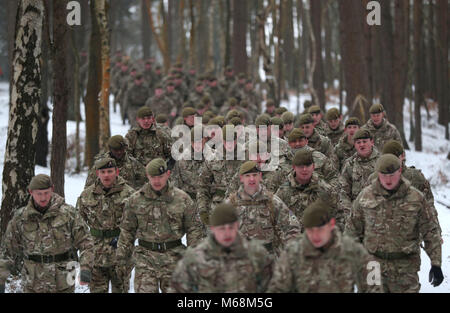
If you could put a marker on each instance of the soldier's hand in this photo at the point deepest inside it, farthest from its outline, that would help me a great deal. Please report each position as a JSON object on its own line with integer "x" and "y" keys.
{"x": 2, "y": 288}
{"x": 204, "y": 216}
{"x": 85, "y": 277}
{"x": 436, "y": 277}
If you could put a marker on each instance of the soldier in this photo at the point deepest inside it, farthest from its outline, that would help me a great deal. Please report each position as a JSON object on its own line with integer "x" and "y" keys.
{"x": 279, "y": 111}
{"x": 180, "y": 86}
{"x": 303, "y": 186}
{"x": 136, "y": 96}
{"x": 161, "y": 104}
{"x": 174, "y": 95}
{"x": 346, "y": 147}
{"x": 236, "y": 90}
{"x": 158, "y": 215}
{"x": 248, "y": 265}
{"x": 288, "y": 120}
{"x": 334, "y": 128}
{"x": 204, "y": 105}
{"x": 45, "y": 235}
{"x": 380, "y": 128}
{"x": 357, "y": 169}
{"x": 189, "y": 114}
{"x": 319, "y": 124}
{"x": 218, "y": 95}
{"x": 262, "y": 214}
{"x": 230, "y": 104}
{"x": 391, "y": 218}
{"x": 149, "y": 76}
{"x": 198, "y": 93}
{"x": 322, "y": 260}
{"x": 228, "y": 79}
{"x": 250, "y": 95}
{"x": 191, "y": 78}
{"x": 158, "y": 74}
{"x": 162, "y": 122}
{"x": 130, "y": 169}
{"x": 277, "y": 122}
{"x": 146, "y": 142}
{"x": 101, "y": 206}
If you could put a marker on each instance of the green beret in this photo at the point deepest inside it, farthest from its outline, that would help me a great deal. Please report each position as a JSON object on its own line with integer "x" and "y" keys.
{"x": 144, "y": 111}
{"x": 224, "y": 213}
{"x": 307, "y": 104}
{"x": 362, "y": 134}
{"x": 198, "y": 83}
{"x": 352, "y": 121}
{"x": 287, "y": 117}
{"x": 277, "y": 121}
{"x": 232, "y": 113}
{"x": 303, "y": 157}
{"x": 159, "y": 86}
{"x": 139, "y": 76}
{"x": 206, "y": 99}
{"x": 317, "y": 214}
{"x": 197, "y": 129}
{"x": 296, "y": 134}
{"x": 248, "y": 167}
{"x": 262, "y": 119}
{"x": 241, "y": 75}
{"x": 188, "y": 104}
{"x": 218, "y": 120}
{"x": 170, "y": 83}
{"x": 179, "y": 64}
{"x": 305, "y": 119}
{"x": 161, "y": 118}
{"x": 229, "y": 128}
{"x": 156, "y": 167}
{"x": 332, "y": 114}
{"x": 387, "y": 164}
{"x": 116, "y": 142}
{"x": 243, "y": 104}
{"x": 188, "y": 111}
{"x": 270, "y": 103}
{"x": 179, "y": 121}
{"x": 314, "y": 109}
{"x": 200, "y": 105}
{"x": 105, "y": 163}
{"x": 393, "y": 147}
{"x": 280, "y": 110}
{"x": 206, "y": 118}
{"x": 376, "y": 108}
{"x": 232, "y": 102}
{"x": 39, "y": 182}
{"x": 235, "y": 121}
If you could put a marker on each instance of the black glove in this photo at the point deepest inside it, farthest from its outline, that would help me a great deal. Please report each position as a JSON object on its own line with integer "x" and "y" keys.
{"x": 85, "y": 276}
{"x": 171, "y": 163}
{"x": 436, "y": 277}
{"x": 2, "y": 288}
{"x": 113, "y": 242}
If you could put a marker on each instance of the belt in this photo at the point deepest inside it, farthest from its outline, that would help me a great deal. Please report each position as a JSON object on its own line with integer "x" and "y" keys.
{"x": 268, "y": 246}
{"x": 109, "y": 233}
{"x": 66, "y": 256}
{"x": 160, "y": 246}
{"x": 392, "y": 255}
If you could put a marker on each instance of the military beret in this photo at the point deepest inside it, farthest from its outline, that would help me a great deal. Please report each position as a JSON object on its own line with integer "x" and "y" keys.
{"x": 39, "y": 182}
{"x": 133, "y": 69}
{"x": 307, "y": 104}
{"x": 144, "y": 111}
{"x": 159, "y": 86}
{"x": 188, "y": 111}
{"x": 161, "y": 118}
{"x": 235, "y": 121}
{"x": 280, "y": 110}
{"x": 243, "y": 104}
{"x": 179, "y": 120}
{"x": 352, "y": 121}
{"x": 230, "y": 129}
{"x": 198, "y": 83}
{"x": 241, "y": 75}
{"x": 158, "y": 67}
{"x": 303, "y": 157}
{"x": 200, "y": 105}
{"x": 262, "y": 119}
{"x": 198, "y": 129}
{"x": 277, "y": 121}
{"x": 287, "y": 117}
{"x": 387, "y": 164}
{"x": 209, "y": 113}
{"x": 270, "y": 103}
{"x": 305, "y": 119}
{"x": 179, "y": 64}
{"x": 229, "y": 69}
{"x": 218, "y": 120}
{"x": 116, "y": 142}
{"x": 249, "y": 81}
{"x": 232, "y": 102}
{"x": 139, "y": 76}
{"x": 178, "y": 75}
{"x": 393, "y": 147}
{"x": 156, "y": 167}
{"x": 317, "y": 214}
{"x": 362, "y": 134}
{"x": 206, "y": 118}
{"x": 212, "y": 78}
{"x": 376, "y": 108}
{"x": 314, "y": 109}
{"x": 332, "y": 114}
{"x": 105, "y": 163}
{"x": 188, "y": 104}
{"x": 223, "y": 213}
{"x": 232, "y": 113}
{"x": 248, "y": 167}
{"x": 206, "y": 99}
{"x": 170, "y": 83}
{"x": 296, "y": 134}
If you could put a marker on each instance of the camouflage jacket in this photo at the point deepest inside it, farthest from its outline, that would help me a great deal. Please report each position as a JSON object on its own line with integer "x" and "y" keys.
{"x": 297, "y": 197}
{"x": 218, "y": 95}
{"x": 245, "y": 266}
{"x": 343, "y": 151}
{"x": 59, "y": 230}
{"x": 321, "y": 128}
{"x": 334, "y": 134}
{"x": 353, "y": 177}
{"x": 393, "y": 223}
{"x": 264, "y": 216}
{"x": 157, "y": 217}
{"x": 196, "y": 97}
{"x": 383, "y": 133}
{"x": 185, "y": 176}
{"x": 161, "y": 105}
{"x": 103, "y": 210}
{"x": 338, "y": 267}
{"x": 322, "y": 144}
{"x": 148, "y": 144}
{"x": 136, "y": 96}
{"x": 177, "y": 99}
{"x": 130, "y": 169}
{"x": 236, "y": 90}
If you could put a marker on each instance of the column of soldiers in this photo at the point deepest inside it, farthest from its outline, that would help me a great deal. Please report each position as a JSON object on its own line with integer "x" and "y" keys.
{"x": 338, "y": 197}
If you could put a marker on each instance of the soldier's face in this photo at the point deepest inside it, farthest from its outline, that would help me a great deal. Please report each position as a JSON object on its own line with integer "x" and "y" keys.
{"x": 316, "y": 117}
{"x": 320, "y": 236}
{"x": 42, "y": 197}
{"x": 249, "y": 86}
{"x": 298, "y": 143}
{"x": 117, "y": 153}
{"x": 226, "y": 234}
{"x": 189, "y": 120}
{"x": 138, "y": 82}
{"x": 270, "y": 109}
{"x": 377, "y": 118}
{"x": 303, "y": 173}
{"x": 159, "y": 182}
{"x": 170, "y": 88}
{"x": 213, "y": 83}
{"x": 192, "y": 72}
{"x": 158, "y": 71}
{"x": 288, "y": 127}
{"x": 145, "y": 122}
{"x": 350, "y": 130}
{"x": 364, "y": 147}
{"x": 199, "y": 88}
{"x": 251, "y": 181}
{"x": 148, "y": 66}
{"x": 108, "y": 176}
{"x": 159, "y": 92}
{"x": 334, "y": 124}
{"x": 390, "y": 181}
{"x": 229, "y": 73}
{"x": 308, "y": 129}
{"x": 124, "y": 68}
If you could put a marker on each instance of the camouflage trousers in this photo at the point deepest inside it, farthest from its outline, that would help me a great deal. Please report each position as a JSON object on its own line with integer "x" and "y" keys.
{"x": 47, "y": 278}
{"x": 400, "y": 276}
{"x": 101, "y": 276}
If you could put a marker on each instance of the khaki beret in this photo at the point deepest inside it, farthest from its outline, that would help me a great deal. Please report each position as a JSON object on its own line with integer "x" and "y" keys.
{"x": 224, "y": 213}
{"x": 235, "y": 121}
{"x": 116, "y": 142}
{"x": 352, "y": 121}
{"x": 314, "y": 109}
{"x": 156, "y": 167}
{"x": 232, "y": 102}
{"x": 305, "y": 119}
{"x": 270, "y": 103}
{"x": 393, "y": 147}
{"x": 39, "y": 182}
{"x": 280, "y": 110}
{"x": 307, "y": 104}
{"x": 105, "y": 163}
{"x": 241, "y": 75}
{"x": 161, "y": 118}
{"x": 188, "y": 111}
{"x": 287, "y": 117}
{"x": 277, "y": 121}
{"x": 303, "y": 157}
{"x": 262, "y": 119}
{"x": 243, "y": 104}
{"x": 233, "y": 113}
{"x": 387, "y": 164}
{"x": 317, "y": 214}
{"x": 362, "y": 134}
{"x": 376, "y": 108}
{"x": 296, "y": 134}
{"x": 144, "y": 111}
{"x": 332, "y": 114}
{"x": 248, "y": 167}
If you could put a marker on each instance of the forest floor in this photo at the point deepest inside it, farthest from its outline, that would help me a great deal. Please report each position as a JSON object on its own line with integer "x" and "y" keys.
{"x": 432, "y": 161}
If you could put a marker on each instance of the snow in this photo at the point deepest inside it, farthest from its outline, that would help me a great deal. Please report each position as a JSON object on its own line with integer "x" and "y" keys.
{"x": 432, "y": 161}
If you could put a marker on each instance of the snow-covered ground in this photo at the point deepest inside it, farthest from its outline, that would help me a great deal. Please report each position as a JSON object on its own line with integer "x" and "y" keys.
{"x": 432, "y": 161}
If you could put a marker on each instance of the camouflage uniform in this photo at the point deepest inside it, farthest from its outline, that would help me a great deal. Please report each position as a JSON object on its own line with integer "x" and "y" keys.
{"x": 322, "y": 144}
{"x": 321, "y": 128}
{"x": 339, "y": 266}
{"x": 135, "y": 98}
{"x": 177, "y": 99}
{"x": 343, "y": 151}
{"x": 196, "y": 97}
{"x": 218, "y": 95}
{"x": 383, "y": 133}
{"x": 102, "y": 211}
{"x": 334, "y": 134}
{"x": 297, "y": 197}
{"x": 161, "y": 105}
{"x": 159, "y": 220}
{"x": 148, "y": 144}
{"x": 186, "y": 174}
{"x": 32, "y": 236}
{"x": 130, "y": 169}
{"x": 264, "y": 216}
{"x": 245, "y": 266}
{"x": 353, "y": 178}
{"x": 391, "y": 226}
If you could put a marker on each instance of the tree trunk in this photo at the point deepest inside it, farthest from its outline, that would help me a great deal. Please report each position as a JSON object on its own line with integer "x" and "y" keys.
{"x": 227, "y": 58}
{"x": 316, "y": 16}
{"x": 239, "y": 36}
{"x": 193, "y": 37}
{"x": 431, "y": 54}
{"x": 442, "y": 56}
{"x": 24, "y": 105}
{"x": 288, "y": 41}
{"x": 418, "y": 70}
{"x": 145, "y": 32}
{"x": 329, "y": 71}
{"x": 76, "y": 92}
{"x": 161, "y": 37}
